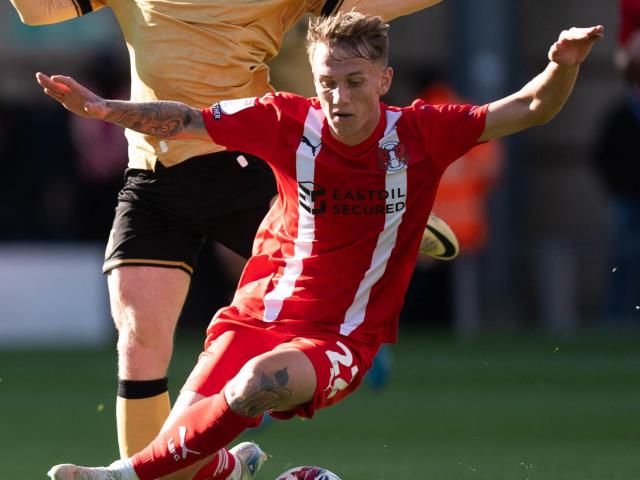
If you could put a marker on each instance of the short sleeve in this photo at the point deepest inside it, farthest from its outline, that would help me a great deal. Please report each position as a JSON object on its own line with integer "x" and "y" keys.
{"x": 450, "y": 131}
{"x": 248, "y": 125}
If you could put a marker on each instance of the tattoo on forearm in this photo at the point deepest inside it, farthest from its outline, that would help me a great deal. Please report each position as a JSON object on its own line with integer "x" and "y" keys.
{"x": 160, "y": 119}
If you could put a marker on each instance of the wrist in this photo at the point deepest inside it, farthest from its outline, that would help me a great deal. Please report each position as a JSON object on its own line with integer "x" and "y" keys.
{"x": 562, "y": 68}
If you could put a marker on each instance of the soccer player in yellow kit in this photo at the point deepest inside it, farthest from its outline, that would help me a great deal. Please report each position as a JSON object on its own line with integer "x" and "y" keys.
{"x": 197, "y": 52}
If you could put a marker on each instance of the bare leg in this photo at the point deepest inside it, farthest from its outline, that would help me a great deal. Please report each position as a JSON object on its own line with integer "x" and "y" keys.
{"x": 279, "y": 380}
{"x": 145, "y": 304}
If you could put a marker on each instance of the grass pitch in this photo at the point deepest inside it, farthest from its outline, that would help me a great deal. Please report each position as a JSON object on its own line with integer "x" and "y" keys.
{"x": 508, "y": 408}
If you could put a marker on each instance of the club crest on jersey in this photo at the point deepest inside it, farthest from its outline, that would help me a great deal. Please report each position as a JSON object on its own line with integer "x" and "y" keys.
{"x": 392, "y": 156}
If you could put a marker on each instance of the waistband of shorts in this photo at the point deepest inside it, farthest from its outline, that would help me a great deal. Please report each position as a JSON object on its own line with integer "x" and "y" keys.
{"x": 191, "y": 162}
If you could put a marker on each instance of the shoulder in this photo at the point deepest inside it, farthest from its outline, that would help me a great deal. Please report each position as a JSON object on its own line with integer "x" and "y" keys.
{"x": 279, "y": 102}
{"x": 289, "y": 105}
{"x": 284, "y": 99}
{"x": 420, "y": 107}
{"x": 426, "y": 111}
{"x": 416, "y": 110}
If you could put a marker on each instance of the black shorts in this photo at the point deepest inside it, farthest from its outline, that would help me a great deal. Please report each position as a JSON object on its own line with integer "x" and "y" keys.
{"x": 163, "y": 216}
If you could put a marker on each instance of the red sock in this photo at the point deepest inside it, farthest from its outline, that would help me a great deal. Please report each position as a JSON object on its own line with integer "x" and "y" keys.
{"x": 219, "y": 468}
{"x": 201, "y": 430}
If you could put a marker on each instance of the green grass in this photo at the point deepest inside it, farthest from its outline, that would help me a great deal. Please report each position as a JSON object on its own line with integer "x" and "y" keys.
{"x": 508, "y": 408}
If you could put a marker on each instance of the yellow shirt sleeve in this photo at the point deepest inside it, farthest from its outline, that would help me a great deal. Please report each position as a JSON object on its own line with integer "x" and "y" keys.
{"x": 43, "y": 12}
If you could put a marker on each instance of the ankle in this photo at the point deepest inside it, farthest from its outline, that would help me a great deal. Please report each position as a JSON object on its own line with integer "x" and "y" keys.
{"x": 236, "y": 473}
{"x": 123, "y": 470}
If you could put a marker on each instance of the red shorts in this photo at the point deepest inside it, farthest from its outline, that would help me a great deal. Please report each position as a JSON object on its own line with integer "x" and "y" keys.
{"x": 233, "y": 339}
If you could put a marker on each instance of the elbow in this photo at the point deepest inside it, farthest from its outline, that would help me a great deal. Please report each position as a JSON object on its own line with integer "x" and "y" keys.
{"x": 541, "y": 119}
{"x": 539, "y": 115}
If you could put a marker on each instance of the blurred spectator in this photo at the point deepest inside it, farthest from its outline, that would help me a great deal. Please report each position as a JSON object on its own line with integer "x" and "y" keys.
{"x": 629, "y": 23}
{"x": 461, "y": 201}
{"x": 39, "y": 191}
{"x": 7, "y": 209}
{"x": 617, "y": 151}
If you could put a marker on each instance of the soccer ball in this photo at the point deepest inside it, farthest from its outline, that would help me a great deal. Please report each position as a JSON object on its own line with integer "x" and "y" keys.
{"x": 308, "y": 473}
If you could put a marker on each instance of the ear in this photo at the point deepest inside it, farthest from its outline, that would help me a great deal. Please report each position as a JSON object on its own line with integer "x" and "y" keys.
{"x": 384, "y": 83}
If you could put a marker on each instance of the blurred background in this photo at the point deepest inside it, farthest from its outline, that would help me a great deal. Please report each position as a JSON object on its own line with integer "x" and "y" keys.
{"x": 520, "y": 359}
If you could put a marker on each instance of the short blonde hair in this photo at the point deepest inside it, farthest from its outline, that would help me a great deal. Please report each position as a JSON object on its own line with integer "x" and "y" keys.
{"x": 360, "y": 36}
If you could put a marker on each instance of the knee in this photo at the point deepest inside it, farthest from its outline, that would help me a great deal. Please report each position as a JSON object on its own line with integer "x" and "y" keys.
{"x": 144, "y": 347}
{"x": 258, "y": 388}
{"x": 144, "y": 352}
{"x": 138, "y": 322}
{"x": 132, "y": 333}
{"x": 123, "y": 309}
{"x": 130, "y": 323}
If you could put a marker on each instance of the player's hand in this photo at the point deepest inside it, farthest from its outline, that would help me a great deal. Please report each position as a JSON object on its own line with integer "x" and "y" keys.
{"x": 73, "y": 96}
{"x": 574, "y": 45}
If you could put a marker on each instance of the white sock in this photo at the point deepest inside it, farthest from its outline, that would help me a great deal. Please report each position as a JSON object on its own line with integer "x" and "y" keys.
{"x": 124, "y": 468}
{"x": 237, "y": 470}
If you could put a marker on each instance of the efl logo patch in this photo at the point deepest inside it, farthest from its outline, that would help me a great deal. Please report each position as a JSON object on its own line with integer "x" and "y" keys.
{"x": 229, "y": 107}
{"x": 215, "y": 109}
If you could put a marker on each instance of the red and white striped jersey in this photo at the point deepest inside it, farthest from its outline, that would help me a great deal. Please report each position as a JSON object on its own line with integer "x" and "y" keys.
{"x": 336, "y": 251}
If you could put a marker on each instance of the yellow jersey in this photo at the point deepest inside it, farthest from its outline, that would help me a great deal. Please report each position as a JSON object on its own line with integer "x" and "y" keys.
{"x": 201, "y": 51}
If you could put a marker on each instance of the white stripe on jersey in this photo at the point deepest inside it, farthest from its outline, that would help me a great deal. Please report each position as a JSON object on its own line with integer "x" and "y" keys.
{"x": 386, "y": 240}
{"x": 308, "y": 149}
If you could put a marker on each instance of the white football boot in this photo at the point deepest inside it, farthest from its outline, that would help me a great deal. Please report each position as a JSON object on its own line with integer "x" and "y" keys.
{"x": 249, "y": 459}
{"x": 438, "y": 240}
{"x": 74, "y": 472}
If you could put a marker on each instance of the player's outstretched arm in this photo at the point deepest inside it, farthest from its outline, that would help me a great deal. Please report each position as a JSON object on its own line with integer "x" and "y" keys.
{"x": 543, "y": 97}
{"x": 159, "y": 119}
{"x": 43, "y": 12}
{"x": 387, "y": 9}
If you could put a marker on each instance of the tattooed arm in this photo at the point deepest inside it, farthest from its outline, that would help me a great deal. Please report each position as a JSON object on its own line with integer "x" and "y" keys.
{"x": 159, "y": 119}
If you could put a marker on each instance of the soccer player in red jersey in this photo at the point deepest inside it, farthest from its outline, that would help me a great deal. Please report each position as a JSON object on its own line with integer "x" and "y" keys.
{"x": 332, "y": 260}
{"x": 198, "y": 52}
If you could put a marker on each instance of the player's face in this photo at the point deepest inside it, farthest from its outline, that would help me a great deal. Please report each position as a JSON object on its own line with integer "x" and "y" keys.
{"x": 349, "y": 90}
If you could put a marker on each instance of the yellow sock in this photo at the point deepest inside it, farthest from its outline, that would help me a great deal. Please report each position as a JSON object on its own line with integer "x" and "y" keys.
{"x": 139, "y": 421}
